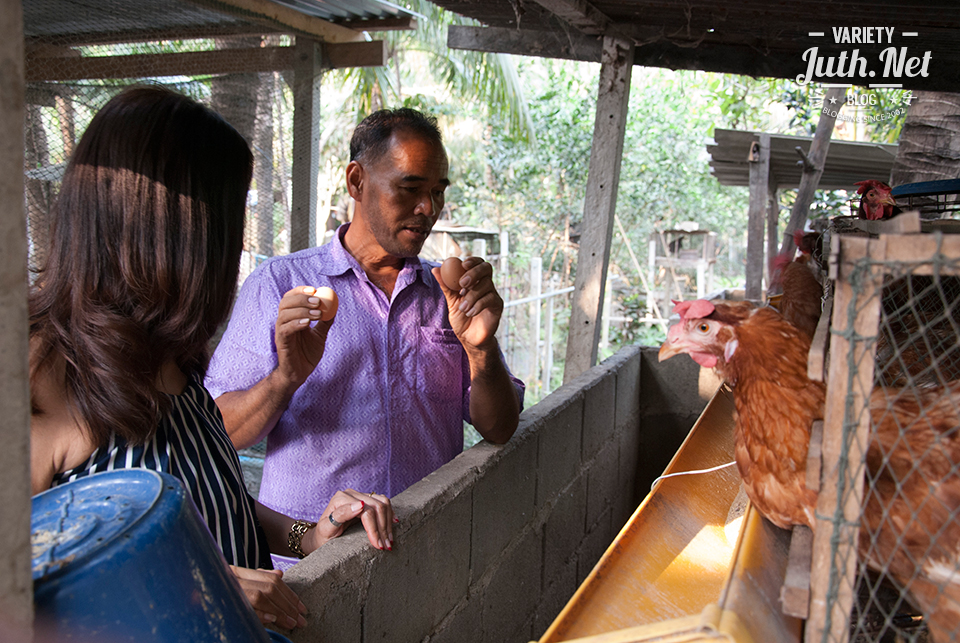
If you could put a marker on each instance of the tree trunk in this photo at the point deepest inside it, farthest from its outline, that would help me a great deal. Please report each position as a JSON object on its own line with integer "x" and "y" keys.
{"x": 930, "y": 140}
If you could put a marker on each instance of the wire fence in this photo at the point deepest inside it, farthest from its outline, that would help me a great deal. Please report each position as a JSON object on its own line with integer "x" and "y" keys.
{"x": 899, "y": 464}
{"x": 62, "y": 98}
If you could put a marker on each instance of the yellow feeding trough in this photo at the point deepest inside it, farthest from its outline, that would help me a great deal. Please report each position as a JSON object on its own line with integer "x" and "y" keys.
{"x": 695, "y": 562}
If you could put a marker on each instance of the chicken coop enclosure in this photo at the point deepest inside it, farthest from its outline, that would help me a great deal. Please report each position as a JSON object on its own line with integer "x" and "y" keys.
{"x": 885, "y": 557}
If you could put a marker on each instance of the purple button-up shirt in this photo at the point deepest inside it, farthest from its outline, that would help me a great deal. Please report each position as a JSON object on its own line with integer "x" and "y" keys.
{"x": 385, "y": 406}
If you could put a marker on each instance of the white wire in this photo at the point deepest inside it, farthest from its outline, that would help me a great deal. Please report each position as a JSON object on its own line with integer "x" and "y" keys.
{"x": 689, "y": 473}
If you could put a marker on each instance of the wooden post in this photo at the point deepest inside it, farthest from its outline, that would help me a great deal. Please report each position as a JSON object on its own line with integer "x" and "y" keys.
{"x": 652, "y": 303}
{"x": 536, "y": 289}
{"x": 856, "y": 315}
{"x": 548, "y": 348}
{"x": 756, "y": 215}
{"x": 813, "y": 163}
{"x": 600, "y": 202}
{"x": 605, "y": 318}
{"x": 16, "y": 584}
{"x": 306, "y": 144}
{"x": 773, "y": 222}
{"x": 503, "y": 287}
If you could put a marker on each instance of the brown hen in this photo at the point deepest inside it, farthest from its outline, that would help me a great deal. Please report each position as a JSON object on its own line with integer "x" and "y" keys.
{"x": 802, "y": 300}
{"x": 764, "y": 358}
{"x": 909, "y": 527}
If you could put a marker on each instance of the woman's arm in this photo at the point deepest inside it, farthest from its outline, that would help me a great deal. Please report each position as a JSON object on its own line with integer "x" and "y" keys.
{"x": 374, "y": 511}
{"x": 272, "y": 600}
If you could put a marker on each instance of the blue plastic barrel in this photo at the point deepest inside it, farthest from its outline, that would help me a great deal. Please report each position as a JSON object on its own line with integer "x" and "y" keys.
{"x": 125, "y": 556}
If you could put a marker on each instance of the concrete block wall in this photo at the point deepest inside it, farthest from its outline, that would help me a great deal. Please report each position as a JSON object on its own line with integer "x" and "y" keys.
{"x": 491, "y": 546}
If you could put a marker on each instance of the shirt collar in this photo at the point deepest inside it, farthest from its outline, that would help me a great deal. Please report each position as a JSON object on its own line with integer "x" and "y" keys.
{"x": 340, "y": 261}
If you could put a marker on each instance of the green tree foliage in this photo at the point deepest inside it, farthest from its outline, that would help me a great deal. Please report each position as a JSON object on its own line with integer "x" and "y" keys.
{"x": 489, "y": 81}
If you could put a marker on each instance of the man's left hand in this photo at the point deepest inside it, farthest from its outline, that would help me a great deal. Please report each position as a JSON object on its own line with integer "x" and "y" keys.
{"x": 475, "y": 309}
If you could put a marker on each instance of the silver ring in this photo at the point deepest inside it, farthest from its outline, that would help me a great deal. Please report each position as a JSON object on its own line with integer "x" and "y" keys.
{"x": 334, "y": 522}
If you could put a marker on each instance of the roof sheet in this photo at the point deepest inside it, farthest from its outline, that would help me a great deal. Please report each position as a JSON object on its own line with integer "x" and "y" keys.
{"x": 847, "y": 162}
{"x": 89, "y": 21}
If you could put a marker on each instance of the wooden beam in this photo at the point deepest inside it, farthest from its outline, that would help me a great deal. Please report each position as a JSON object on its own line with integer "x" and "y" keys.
{"x": 578, "y": 13}
{"x": 306, "y": 144}
{"x": 16, "y": 585}
{"x": 278, "y": 17}
{"x": 341, "y": 55}
{"x": 757, "y": 57}
{"x": 145, "y": 34}
{"x": 196, "y": 63}
{"x": 759, "y": 160}
{"x": 193, "y": 63}
{"x": 599, "y": 207}
{"x": 400, "y": 23}
{"x": 545, "y": 44}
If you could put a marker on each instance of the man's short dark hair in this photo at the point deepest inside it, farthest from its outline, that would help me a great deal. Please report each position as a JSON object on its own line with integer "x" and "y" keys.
{"x": 372, "y": 136}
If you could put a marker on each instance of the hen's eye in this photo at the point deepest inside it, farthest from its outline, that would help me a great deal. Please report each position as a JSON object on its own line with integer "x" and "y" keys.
{"x": 703, "y": 327}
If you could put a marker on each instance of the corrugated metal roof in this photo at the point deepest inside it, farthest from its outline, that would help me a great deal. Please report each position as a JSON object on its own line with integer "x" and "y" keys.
{"x": 347, "y": 11}
{"x": 847, "y": 162}
{"x": 89, "y": 21}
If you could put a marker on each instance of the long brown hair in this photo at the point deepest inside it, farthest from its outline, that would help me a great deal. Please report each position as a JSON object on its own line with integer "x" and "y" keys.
{"x": 143, "y": 258}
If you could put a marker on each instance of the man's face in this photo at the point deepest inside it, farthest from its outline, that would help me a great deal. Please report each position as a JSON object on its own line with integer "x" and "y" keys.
{"x": 403, "y": 193}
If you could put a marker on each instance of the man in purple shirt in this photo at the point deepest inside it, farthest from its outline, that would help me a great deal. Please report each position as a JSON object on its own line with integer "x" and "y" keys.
{"x": 374, "y": 399}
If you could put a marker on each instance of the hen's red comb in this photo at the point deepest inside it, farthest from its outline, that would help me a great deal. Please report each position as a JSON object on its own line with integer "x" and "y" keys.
{"x": 697, "y": 309}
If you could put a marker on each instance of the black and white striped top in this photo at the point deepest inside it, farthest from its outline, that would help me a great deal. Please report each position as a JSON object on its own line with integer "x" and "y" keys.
{"x": 191, "y": 444}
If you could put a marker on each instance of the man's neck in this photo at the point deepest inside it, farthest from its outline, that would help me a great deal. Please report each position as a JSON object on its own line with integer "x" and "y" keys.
{"x": 381, "y": 268}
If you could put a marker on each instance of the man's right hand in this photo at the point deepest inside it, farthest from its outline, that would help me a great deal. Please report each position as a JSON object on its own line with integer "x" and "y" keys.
{"x": 300, "y": 335}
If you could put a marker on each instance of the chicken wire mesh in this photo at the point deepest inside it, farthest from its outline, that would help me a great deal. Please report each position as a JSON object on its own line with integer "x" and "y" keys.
{"x": 907, "y": 578}
{"x": 77, "y": 59}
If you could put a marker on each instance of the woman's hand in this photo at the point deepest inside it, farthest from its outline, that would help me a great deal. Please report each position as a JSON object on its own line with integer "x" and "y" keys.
{"x": 274, "y": 602}
{"x": 373, "y": 510}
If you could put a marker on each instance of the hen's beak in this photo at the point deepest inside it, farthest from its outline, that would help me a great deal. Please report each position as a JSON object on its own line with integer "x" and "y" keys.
{"x": 887, "y": 199}
{"x": 669, "y": 348}
{"x": 674, "y": 344}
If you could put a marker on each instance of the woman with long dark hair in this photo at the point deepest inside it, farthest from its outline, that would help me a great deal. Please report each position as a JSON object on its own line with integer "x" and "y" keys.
{"x": 140, "y": 272}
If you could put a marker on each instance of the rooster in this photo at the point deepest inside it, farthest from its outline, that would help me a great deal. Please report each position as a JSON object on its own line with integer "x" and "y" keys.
{"x": 909, "y": 528}
{"x": 877, "y": 202}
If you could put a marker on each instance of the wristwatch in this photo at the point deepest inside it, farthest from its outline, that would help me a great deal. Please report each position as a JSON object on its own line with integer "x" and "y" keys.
{"x": 295, "y": 536}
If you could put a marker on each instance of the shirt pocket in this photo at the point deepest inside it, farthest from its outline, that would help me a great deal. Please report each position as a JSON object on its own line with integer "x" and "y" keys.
{"x": 439, "y": 365}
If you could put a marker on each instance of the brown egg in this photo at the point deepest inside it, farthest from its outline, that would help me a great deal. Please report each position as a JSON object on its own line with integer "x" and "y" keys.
{"x": 451, "y": 271}
{"x": 329, "y": 302}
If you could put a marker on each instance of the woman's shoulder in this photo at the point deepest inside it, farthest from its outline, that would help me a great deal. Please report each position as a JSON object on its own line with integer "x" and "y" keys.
{"x": 58, "y": 441}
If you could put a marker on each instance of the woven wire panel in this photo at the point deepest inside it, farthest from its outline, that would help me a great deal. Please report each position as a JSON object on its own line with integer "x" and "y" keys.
{"x": 907, "y": 583}
{"x": 59, "y": 106}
